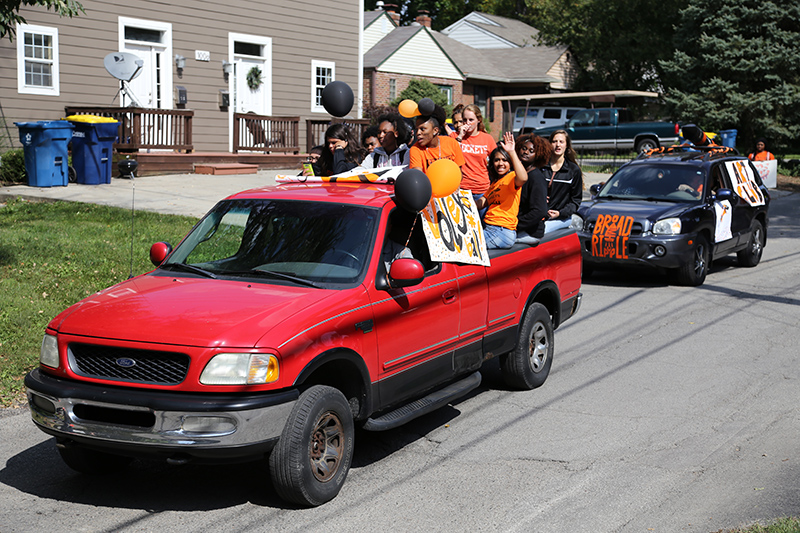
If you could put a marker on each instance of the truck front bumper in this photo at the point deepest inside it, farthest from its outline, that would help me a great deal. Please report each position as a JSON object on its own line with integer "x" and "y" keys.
{"x": 139, "y": 422}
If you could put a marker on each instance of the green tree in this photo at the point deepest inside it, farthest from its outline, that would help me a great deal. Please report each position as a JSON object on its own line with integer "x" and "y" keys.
{"x": 418, "y": 89}
{"x": 736, "y": 64}
{"x": 617, "y": 43}
{"x": 10, "y": 17}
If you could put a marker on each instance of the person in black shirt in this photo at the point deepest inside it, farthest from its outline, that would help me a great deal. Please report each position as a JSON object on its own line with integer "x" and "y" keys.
{"x": 534, "y": 152}
{"x": 564, "y": 182}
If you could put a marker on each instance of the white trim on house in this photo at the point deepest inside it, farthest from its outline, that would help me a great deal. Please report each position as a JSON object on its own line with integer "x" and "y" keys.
{"x": 265, "y": 58}
{"x": 360, "y": 89}
{"x": 157, "y": 57}
{"x": 316, "y": 104}
{"x": 26, "y": 81}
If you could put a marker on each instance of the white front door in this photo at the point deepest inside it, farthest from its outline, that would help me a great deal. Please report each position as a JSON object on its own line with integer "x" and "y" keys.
{"x": 249, "y": 100}
{"x": 151, "y": 41}
{"x": 247, "y": 52}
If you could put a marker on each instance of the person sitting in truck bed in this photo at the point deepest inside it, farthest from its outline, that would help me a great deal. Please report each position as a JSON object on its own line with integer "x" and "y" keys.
{"x": 564, "y": 183}
{"x": 534, "y": 152}
{"x": 507, "y": 175}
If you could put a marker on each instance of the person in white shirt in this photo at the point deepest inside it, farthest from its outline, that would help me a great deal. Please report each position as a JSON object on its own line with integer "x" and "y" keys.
{"x": 393, "y": 134}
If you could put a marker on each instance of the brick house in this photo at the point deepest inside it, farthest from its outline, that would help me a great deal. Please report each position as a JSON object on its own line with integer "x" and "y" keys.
{"x": 476, "y": 58}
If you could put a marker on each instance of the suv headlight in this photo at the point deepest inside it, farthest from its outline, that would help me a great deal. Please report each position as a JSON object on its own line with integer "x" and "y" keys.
{"x": 240, "y": 369}
{"x": 667, "y": 226}
{"x": 48, "y": 355}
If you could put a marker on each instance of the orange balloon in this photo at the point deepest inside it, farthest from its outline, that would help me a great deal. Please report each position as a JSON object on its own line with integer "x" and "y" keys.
{"x": 445, "y": 177}
{"x": 408, "y": 108}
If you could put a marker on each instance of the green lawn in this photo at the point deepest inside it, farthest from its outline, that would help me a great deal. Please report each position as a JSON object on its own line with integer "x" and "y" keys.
{"x": 54, "y": 254}
{"x": 782, "y": 525}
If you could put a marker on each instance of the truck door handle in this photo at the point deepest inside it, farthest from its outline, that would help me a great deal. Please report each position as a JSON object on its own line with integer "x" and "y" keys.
{"x": 449, "y": 296}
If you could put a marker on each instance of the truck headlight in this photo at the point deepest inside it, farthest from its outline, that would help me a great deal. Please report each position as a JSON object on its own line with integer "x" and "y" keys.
{"x": 48, "y": 355}
{"x": 240, "y": 369}
{"x": 667, "y": 226}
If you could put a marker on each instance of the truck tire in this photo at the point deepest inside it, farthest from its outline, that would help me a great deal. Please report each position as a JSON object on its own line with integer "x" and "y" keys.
{"x": 92, "y": 462}
{"x": 750, "y": 256}
{"x": 643, "y": 145}
{"x": 528, "y": 366}
{"x": 310, "y": 463}
{"x": 693, "y": 273}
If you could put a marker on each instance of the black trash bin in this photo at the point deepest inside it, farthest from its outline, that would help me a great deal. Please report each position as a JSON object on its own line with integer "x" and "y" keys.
{"x": 45, "y": 147}
{"x": 92, "y": 148}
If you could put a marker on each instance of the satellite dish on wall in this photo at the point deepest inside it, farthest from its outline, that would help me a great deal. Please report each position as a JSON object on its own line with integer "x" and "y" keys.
{"x": 124, "y": 66}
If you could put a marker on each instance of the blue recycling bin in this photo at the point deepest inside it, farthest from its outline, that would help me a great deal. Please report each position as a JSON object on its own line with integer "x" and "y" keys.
{"x": 44, "y": 144}
{"x": 92, "y": 147}
{"x": 728, "y": 138}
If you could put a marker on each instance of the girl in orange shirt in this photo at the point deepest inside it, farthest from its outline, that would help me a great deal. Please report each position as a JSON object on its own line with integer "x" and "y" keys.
{"x": 476, "y": 145}
{"x": 507, "y": 175}
{"x": 431, "y": 144}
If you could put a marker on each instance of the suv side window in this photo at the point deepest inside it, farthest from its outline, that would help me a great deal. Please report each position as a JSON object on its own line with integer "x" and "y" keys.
{"x": 552, "y": 113}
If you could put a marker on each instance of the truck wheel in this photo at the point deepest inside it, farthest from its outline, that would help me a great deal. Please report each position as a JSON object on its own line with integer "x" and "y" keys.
{"x": 528, "y": 366}
{"x": 311, "y": 460}
{"x": 92, "y": 462}
{"x": 693, "y": 273}
{"x": 645, "y": 144}
{"x": 750, "y": 256}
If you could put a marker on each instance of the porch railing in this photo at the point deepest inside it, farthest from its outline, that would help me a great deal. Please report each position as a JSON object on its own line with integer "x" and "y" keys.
{"x": 315, "y": 129}
{"x": 140, "y": 128}
{"x": 260, "y": 133}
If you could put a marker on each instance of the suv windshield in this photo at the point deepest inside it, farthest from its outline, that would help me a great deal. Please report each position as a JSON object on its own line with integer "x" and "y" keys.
{"x": 659, "y": 182}
{"x": 292, "y": 241}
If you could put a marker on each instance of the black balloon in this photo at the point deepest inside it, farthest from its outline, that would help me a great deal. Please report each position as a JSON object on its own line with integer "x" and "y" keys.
{"x": 337, "y": 98}
{"x": 412, "y": 190}
{"x": 426, "y": 106}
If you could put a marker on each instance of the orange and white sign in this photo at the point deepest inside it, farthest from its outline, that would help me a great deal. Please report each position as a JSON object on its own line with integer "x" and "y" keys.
{"x": 768, "y": 170}
{"x": 610, "y": 236}
{"x": 453, "y": 230}
{"x": 744, "y": 182}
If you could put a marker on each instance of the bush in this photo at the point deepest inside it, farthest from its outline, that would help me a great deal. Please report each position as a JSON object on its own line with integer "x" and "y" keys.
{"x": 12, "y": 167}
{"x": 420, "y": 88}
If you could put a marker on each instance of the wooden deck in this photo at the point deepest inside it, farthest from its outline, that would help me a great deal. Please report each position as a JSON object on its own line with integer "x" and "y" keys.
{"x": 151, "y": 163}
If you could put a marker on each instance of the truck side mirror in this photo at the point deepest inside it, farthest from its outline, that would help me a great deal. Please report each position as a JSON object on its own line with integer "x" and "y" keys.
{"x": 594, "y": 189}
{"x": 405, "y": 273}
{"x": 159, "y": 251}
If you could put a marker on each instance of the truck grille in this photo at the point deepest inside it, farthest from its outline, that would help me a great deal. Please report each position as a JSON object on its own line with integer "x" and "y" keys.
{"x": 127, "y": 364}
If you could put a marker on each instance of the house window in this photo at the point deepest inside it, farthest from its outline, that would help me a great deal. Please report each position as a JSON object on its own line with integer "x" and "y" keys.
{"x": 447, "y": 90}
{"x": 322, "y": 73}
{"x": 392, "y": 89}
{"x": 37, "y": 60}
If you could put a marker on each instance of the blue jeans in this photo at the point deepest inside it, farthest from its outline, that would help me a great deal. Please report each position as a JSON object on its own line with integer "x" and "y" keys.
{"x": 556, "y": 223}
{"x": 498, "y": 237}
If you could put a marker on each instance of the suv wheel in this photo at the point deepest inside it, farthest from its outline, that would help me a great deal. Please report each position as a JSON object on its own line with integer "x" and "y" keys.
{"x": 750, "y": 256}
{"x": 693, "y": 273}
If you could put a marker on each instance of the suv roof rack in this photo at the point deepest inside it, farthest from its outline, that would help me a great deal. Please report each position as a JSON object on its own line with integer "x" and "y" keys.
{"x": 689, "y": 151}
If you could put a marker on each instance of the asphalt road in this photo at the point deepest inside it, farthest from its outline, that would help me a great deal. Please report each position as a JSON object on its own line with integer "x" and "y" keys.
{"x": 668, "y": 409}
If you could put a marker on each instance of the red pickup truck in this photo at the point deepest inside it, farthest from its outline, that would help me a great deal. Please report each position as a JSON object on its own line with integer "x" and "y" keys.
{"x": 280, "y": 322}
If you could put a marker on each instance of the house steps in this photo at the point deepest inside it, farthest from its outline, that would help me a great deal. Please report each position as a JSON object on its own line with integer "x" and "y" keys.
{"x": 153, "y": 163}
{"x": 225, "y": 168}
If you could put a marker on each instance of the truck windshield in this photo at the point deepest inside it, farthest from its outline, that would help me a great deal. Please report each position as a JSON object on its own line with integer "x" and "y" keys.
{"x": 662, "y": 182}
{"x": 285, "y": 241}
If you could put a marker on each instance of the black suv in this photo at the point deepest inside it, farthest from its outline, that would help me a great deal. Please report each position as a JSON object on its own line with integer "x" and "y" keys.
{"x": 679, "y": 209}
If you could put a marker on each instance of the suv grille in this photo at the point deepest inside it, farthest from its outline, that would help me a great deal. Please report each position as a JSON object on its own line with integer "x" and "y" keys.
{"x": 127, "y": 364}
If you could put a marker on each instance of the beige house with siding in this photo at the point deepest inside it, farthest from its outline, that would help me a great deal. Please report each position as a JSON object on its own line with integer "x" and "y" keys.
{"x": 196, "y": 55}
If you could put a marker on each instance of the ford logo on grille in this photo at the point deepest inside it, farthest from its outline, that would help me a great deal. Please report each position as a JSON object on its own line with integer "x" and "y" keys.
{"x": 125, "y": 362}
